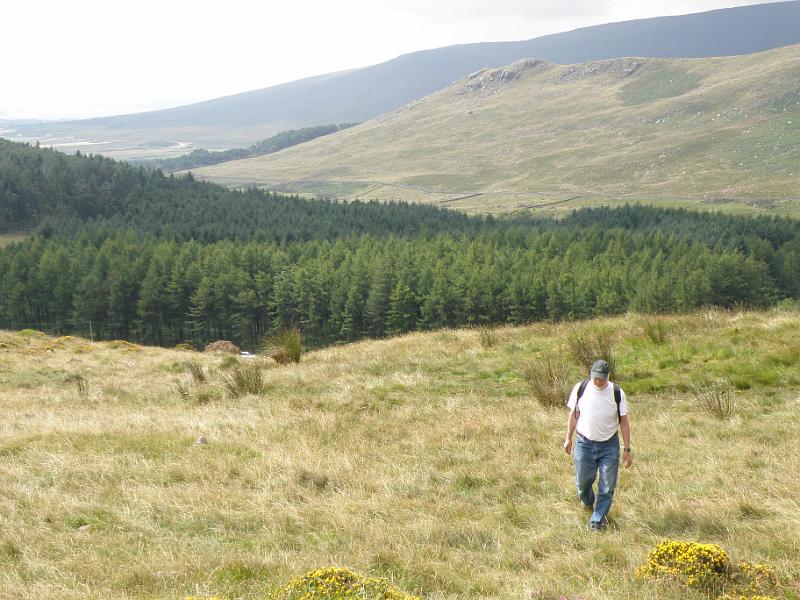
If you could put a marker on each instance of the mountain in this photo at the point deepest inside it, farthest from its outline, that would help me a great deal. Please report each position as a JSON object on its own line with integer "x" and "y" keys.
{"x": 724, "y": 127}
{"x": 361, "y": 94}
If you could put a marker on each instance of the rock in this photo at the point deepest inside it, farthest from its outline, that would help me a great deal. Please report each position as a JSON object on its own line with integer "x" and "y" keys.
{"x": 200, "y": 441}
{"x": 621, "y": 67}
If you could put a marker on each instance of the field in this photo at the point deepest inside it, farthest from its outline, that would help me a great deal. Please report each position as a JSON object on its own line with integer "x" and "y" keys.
{"x": 12, "y": 238}
{"x": 720, "y": 130}
{"x": 422, "y": 459}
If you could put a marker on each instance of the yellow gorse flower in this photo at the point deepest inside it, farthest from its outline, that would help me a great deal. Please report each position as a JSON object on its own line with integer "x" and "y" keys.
{"x": 698, "y": 565}
{"x": 337, "y": 583}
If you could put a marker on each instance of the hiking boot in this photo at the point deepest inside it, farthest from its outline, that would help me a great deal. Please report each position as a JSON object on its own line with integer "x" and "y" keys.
{"x": 598, "y": 525}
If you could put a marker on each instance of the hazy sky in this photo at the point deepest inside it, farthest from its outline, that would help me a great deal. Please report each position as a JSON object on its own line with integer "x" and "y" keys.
{"x": 78, "y": 58}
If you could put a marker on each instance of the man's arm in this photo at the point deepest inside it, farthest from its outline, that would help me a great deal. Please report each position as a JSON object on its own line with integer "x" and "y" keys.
{"x": 572, "y": 421}
{"x": 625, "y": 427}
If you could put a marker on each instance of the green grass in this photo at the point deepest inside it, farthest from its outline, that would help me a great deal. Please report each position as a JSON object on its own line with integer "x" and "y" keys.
{"x": 422, "y": 459}
{"x": 665, "y": 82}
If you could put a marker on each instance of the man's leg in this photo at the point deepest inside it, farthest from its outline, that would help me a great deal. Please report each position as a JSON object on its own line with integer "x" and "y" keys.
{"x": 608, "y": 458}
{"x": 585, "y": 471}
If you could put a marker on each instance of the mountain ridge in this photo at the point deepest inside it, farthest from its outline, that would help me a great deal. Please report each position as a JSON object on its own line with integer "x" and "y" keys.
{"x": 361, "y": 94}
{"x": 635, "y": 126}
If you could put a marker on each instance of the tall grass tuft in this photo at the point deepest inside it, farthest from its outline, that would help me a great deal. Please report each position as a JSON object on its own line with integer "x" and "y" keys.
{"x": 487, "y": 335}
{"x": 286, "y": 347}
{"x": 80, "y": 383}
{"x": 183, "y": 391}
{"x": 715, "y": 398}
{"x": 196, "y": 370}
{"x": 655, "y": 329}
{"x": 243, "y": 381}
{"x": 585, "y": 348}
{"x": 549, "y": 380}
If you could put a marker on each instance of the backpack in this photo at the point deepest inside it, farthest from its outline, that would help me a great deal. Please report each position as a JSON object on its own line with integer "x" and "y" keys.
{"x": 617, "y": 395}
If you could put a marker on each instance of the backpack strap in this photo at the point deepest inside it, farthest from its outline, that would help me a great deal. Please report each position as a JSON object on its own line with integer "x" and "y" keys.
{"x": 581, "y": 389}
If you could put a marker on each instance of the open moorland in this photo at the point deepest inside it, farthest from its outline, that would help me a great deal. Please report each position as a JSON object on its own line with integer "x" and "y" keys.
{"x": 536, "y": 134}
{"x": 424, "y": 459}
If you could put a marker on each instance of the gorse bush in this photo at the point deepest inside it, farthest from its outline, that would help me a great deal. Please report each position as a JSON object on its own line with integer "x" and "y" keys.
{"x": 708, "y": 567}
{"x": 549, "y": 380}
{"x": 335, "y": 583}
{"x": 756, "y": 580}
{"x": 697, "y": 565}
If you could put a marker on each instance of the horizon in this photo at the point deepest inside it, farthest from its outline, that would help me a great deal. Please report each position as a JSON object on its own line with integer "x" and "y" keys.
{"x": 120, "y": 85}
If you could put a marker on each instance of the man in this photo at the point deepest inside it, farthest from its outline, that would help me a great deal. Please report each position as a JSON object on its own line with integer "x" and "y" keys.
{"x": 597, "y": 408}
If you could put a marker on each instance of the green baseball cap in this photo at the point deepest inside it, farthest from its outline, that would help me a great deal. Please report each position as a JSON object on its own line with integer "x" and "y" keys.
{"x": 600, "y": 369}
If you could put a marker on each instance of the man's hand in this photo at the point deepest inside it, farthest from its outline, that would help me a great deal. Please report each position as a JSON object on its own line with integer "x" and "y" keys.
{"x": 627, "y": 459}
{"x": 568, "y": 446}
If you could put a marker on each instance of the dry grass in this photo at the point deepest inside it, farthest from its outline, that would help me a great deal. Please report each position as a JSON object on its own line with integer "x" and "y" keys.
{"x": 422, "y": 459}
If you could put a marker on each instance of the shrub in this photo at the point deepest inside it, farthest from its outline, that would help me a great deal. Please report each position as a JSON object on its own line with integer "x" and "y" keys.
{"x": 186, "y": 346}
{"x": 286, "y": 347}
{"x": 755, "y": 579}
{"x": 335, "y": 583}
{"x": 222, "y": 346}
{"x": 123, "y": 345}
{"x": 585, "y": 348}
{"x": 244, "y": 381}
{"x": 30, "y": 333}
{"x": 697, "y": 565}
{"x": 549, "y": 381}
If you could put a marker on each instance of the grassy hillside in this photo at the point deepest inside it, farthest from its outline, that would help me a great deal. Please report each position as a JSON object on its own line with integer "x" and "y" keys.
{"x": 421, "y": 459}
{"x": 536, "y": 134}
{"x": 361, "y": 94}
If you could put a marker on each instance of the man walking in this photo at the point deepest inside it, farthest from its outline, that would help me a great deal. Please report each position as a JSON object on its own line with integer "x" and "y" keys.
{"x": 597, "y": 408}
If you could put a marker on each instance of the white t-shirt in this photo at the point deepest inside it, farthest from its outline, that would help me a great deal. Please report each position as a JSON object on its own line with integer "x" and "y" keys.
{"x": 598, "y": 418}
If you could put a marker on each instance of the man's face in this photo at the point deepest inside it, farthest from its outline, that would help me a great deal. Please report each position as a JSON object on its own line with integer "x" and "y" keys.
{"x": 599, "y": 382}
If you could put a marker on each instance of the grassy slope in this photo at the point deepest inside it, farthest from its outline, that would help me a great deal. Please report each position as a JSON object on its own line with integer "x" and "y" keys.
{"x": 421, "y": 458}
{"x": 724, "y": 127}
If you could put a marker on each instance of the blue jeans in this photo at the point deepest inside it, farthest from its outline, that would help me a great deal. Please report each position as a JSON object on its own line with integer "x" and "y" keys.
{"x": 591, "y": 457}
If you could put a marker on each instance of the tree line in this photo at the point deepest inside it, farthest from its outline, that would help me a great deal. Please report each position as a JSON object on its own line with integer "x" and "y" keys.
{"x": 60, "y": 195}
{"x": 280, "y": 141}
{"x": 160, "y": 259}
{"x": 165, "y": 292}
